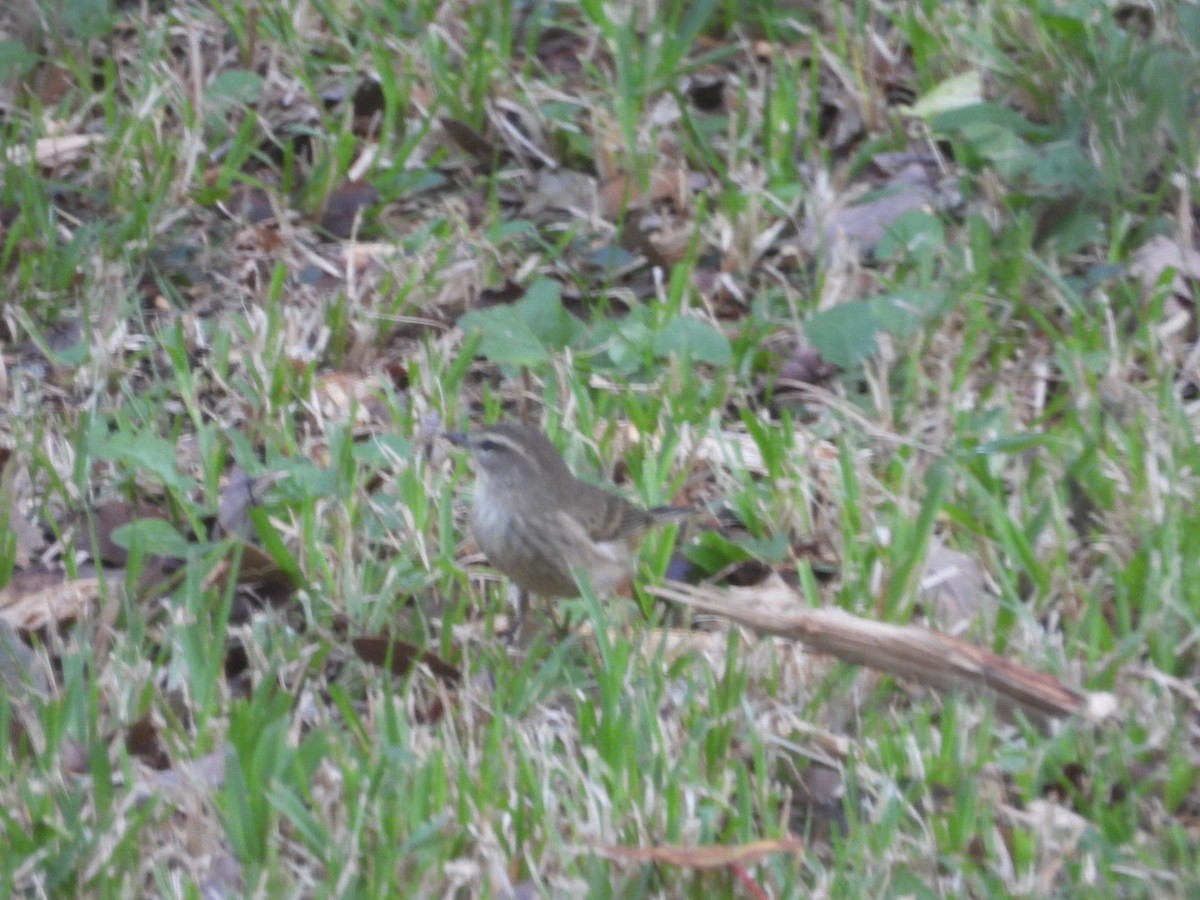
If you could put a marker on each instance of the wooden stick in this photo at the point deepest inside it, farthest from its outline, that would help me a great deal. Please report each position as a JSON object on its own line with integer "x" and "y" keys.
{"x": 908, "y": 651}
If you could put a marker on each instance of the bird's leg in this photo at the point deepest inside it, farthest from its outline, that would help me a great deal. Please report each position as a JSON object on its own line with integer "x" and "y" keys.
{"x": 514, "y": 629}
{"x": 561, "y": 624}
{"x": 522, "y": 608}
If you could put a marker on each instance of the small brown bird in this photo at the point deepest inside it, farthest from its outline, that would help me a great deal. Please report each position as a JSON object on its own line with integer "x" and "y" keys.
{"x": 543, "y": 527}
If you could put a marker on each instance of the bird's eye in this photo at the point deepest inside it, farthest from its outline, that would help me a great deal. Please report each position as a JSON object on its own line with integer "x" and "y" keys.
{"x": 487, "y": 445}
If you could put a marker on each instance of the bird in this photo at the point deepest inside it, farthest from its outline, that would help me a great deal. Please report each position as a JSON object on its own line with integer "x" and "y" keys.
{"x": 542, "y": 527}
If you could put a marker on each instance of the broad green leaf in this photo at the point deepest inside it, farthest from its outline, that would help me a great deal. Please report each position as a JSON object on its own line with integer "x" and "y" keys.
{"x": 16, "y": 60}
{"x": 1063, "y": 164}
{"x": 527, "y": 332}
{"x": 153, "y": 537}
{"x": 146, "y": 453}
{"x": 1072, "y": 231}
{"x": 1189, "y": 24}
{"x": 845, "y": 334}
{"x": 986, "y": 114}
{"x": 690, "y": 338}
{"x": 914, "y": 233}
{"x": 624, "y": 341}
{"x": 85, "y": 19}
{"x": 953, "y": 93}
{"x": 1014, "y": 443}
{"x": 275, "y": 546}
{"x": 713, "y": 552}
{"x": 903, "y": 314}
{"x": 1003, "y": 148}
{"x": 383, "y": 449}
{"x": 235, "y": 87}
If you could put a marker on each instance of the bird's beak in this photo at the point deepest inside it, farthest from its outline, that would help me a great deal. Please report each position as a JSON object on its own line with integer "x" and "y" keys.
{"x": 457, "y": 438}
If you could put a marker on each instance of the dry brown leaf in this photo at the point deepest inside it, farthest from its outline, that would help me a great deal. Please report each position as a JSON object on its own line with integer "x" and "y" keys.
{"x": 469, "y": 139}
{"x": 50, "y": 83}
{"x": 865, "y": 225}
{"x": 34, "y": 602}
{"x": 859, "y": 228}
{"x": 345, "y": 206}
{"x": 257, "y": 569}
{"x": 258, "y": 240}
{"x": 561, "y": 190}
{"x": 240, "y": 494}
{"x": 107, "y": 518}
{"x": 143, "y": 741}
{"x": 237, "y": 499}
{"x": 710, "y": 91}
{"x": 252, "y": 204}
{"x": 819, "y": 802}
{"x": 208, "y": 771}
{"x": 804, "y": 366}
{"x": 74, "y": 759}
{"x": 623, "y": 193}
{"x": 400, "y": 656}
{"x": 509, "y": 292}
{"x": 1161, "y": 253}
{"x": 1151, "y": 262}
{"x": 562, "y": 51}
{"x": 822, "y": 785}
{"x": 55, "y": 151}
{"x": 349, "y": 396}
{"x": 701, "y": 857}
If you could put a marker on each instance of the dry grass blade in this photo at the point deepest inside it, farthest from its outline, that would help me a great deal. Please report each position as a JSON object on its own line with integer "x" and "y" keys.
{"x": 702, "y": 857}
{"x": 925, "y": 656}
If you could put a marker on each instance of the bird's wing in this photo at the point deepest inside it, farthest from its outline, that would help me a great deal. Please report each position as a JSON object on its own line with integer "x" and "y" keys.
{"x": 608, "y": 517}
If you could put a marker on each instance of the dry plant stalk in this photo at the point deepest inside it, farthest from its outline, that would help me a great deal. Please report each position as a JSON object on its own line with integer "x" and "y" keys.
{"x": 907, "y": 651}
